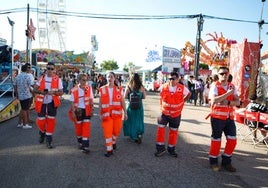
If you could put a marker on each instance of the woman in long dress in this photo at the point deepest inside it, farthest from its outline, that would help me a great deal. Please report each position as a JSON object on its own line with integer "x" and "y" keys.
{"x": 134, "y": 125}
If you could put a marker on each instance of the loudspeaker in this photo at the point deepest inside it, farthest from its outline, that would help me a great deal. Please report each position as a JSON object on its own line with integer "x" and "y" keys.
{"x": 34, "y": 59}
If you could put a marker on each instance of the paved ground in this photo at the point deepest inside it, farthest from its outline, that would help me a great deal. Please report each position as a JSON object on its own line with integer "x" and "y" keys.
{"x": 26, "y": 163}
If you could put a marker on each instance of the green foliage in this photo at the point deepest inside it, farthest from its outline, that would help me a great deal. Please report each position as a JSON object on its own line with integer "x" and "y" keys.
{"x": 109, "y": 65}
{"x": 128, "y": 66}
{"x": 203, "y": 66}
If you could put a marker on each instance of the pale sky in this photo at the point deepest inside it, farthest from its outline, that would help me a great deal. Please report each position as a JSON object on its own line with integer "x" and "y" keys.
{"x": 127, "y": 40}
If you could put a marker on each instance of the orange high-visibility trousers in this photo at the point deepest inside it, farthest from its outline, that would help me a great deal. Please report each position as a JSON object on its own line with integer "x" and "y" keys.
{"x": 160, "y": 134}
{"x": 172, "y": 137}
{"x": 78, "y": 128}
{"x": 215, "y": 147}
{"x": 230, "y": 146}
{"x": 51, "y": 123}
{"x": 111, "y": 130}
{"x": 41, "y": 123}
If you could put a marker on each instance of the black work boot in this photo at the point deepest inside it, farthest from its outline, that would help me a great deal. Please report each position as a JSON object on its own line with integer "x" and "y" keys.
{"x": 109, "y": 153}
{"x": 160, "y": 150}
{"x": 171, "y": 152}
{"x": 85, "y": 146}
{"x": 49, "y": 141}
{"x": 79, "y": 140}
{"x": 42, "y": 137}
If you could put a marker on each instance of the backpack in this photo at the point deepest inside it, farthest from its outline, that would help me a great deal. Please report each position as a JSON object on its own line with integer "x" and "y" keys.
{"x": 134, "y": 100}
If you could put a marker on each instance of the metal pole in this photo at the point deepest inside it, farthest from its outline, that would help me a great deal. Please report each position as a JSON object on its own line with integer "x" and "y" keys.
{"x": 11, "y": 23}
{"x": 12, "y": 52}
{"x": 261, "y": 22}
{"x": 200, "y": 22}
{"x": 27, "y": 41}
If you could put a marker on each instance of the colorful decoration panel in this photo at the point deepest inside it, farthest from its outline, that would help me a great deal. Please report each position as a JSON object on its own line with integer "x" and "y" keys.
{"x": 244, "y": 64}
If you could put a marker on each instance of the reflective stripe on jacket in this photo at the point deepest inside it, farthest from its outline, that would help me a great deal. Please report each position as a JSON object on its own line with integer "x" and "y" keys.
{"x": 114, "y": 108}
{"x": 54, "y": 87}
{"x": 172, "y": 103}
{"x": 87, "y": 98}
{"x": 220, "y": 111}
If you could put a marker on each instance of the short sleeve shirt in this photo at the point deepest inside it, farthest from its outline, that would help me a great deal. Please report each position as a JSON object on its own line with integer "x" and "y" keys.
{"x": 23, "y": 82}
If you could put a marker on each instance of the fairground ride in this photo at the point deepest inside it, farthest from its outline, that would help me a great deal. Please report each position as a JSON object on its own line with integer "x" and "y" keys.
{"x": 51, "y": 27}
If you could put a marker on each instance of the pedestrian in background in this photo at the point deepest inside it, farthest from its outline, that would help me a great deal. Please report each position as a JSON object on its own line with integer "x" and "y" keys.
{"x": 23, "y": 85}
{"x": 206, "y": 92}
{"x": 134, "y": 125}
{"x": 82, "y": 111}
{"x": 199, "y": 89}
{"x": 255, "y": 106}
{"x": 29, "y": 71}
{"x": 112, "y": 108}
{"x": 191, "y": 88}
{"x": 48, "y": 90}
{"x": 100, "y": 82}
{"x": 223, "y": 97}
{"x": 173, "y": 95}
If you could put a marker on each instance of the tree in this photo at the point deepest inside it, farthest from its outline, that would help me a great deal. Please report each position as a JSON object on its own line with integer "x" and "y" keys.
{"x": 128, "y": 66}
{"x": 203, "y": 66}
{"x": 109, "y": 65}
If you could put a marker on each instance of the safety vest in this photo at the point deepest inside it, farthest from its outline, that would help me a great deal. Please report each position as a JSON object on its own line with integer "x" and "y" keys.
{"x": 113, "y": 110}
{"x": 220, "y": 111}
{"x": 172, "y": 103}
{"x": 40, "y": 98}
{"x": 87, "y": 98}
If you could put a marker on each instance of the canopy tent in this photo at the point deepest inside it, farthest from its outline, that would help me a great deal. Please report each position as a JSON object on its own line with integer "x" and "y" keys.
{"x": 120, "y": 72}
{"x": 159, "y": 68}
{"x": 149, "y": 67}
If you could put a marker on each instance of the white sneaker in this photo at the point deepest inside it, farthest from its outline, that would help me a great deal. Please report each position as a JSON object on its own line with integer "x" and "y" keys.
{"x": 19, "y": 125}
{"x": 26, "y": 126}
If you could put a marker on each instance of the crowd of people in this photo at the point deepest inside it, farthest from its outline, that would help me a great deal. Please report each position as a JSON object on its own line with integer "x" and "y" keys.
{"x": 122, "y": 109}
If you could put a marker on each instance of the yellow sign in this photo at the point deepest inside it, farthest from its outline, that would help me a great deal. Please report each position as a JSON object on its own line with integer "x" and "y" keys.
{"x": 10, "y": 111}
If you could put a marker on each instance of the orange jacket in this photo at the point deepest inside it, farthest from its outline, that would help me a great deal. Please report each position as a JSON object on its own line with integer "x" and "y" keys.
{"x": 54, "y": 87}
{"x": 220, "y": 111}
{"x": 113, "y": 110}
{"x": 87, "y": 98}
{"x": 172, "y": 103}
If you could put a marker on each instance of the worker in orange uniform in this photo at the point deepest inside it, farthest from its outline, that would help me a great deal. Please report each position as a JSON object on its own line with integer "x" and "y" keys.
{"x": 223, "y": 97}
{"x": 172, "y": 98}
{"x": 82, "y": 111}
{"x": 112, "y": 108}
{"x": 48, "y": 90}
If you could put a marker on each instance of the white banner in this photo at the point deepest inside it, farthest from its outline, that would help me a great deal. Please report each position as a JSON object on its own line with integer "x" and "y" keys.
{"x": 171, "y": 60}
{"x": 171, "y": 55}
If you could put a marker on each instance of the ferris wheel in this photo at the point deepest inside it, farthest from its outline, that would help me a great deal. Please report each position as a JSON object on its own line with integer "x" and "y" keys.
{"x": 51, "y": 27}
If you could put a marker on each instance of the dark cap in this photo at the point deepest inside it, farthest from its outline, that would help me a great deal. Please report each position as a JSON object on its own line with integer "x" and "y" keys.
{"x": 51, "y": 63}
{"x": 253, "y": 97}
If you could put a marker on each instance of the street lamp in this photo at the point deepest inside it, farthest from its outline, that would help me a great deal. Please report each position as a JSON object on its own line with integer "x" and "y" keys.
{"x": 260, "y": 24}
{"x": 11, "y": 23}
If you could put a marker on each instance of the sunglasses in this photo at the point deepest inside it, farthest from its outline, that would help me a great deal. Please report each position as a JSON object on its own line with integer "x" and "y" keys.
{"x": 50, "y": 68}
{"x": 223, "y": 73}
{"x": 172, "y": 78}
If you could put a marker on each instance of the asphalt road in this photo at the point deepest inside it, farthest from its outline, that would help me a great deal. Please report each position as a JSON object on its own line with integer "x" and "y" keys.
{"x": 26, "y": 163}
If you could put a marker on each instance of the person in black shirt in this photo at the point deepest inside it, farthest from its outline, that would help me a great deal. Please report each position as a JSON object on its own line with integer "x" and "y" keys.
{"x": 257, "y": 107}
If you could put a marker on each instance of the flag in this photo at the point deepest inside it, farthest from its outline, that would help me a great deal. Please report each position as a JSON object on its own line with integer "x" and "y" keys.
{"x": 31, "y": 30}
